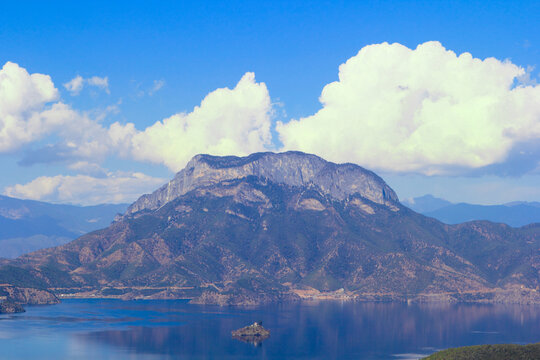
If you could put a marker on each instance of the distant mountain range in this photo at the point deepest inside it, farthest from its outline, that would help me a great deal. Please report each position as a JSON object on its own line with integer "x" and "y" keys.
{"x": 28, "y": 225}
{"x": 271, "y": 227}
{"x": 516, "y": 214}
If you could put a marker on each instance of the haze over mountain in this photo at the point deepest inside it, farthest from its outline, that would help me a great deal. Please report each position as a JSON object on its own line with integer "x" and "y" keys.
{"x": 516, "y": 214}
{"x": 28, "y": 225}
{"x": 268, "y": 227}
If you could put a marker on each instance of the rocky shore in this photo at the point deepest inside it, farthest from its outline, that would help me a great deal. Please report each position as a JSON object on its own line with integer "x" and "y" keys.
{"x": 13, "y": 298}
{"x": 241, "y": 297}
{"x": 8, "y": 307}
{"x": 29, "y": 296}
{"x": 231, "y": 296}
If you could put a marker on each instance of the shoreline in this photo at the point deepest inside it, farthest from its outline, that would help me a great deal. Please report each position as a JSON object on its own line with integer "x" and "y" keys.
{"x": 210, "y": 294}
{"x": 497, "y": 296}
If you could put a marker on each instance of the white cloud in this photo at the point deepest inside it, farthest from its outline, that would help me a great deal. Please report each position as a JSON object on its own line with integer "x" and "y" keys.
{"x": 424, "y": 110}
{"x": 393, "y": 108}
{"x": 88, "y": 168}
{"x": 526, "y": 79}
{"x": 81, "y": 136}
{"x": 100, "y": 82}
{"x": 228, "y": 121}
{"x": 75, "y": 85}
{"x": 158, "y": 84}
{"x": 117, "y": 187}
{"x": 29, "y": 111}
{"x": 23, "y": 114}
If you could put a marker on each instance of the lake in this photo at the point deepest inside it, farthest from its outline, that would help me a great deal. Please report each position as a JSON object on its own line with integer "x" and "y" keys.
{"x": 114, "y": 329}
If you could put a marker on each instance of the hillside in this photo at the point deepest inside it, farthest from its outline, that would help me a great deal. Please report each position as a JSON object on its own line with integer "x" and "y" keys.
{"x": 29, "y": 225}
{"x": 514, "y": 214}
{"x": 285, "y": 226}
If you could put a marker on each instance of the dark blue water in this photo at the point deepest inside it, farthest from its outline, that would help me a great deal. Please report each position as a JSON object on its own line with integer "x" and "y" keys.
{"x": 111, "y": 329}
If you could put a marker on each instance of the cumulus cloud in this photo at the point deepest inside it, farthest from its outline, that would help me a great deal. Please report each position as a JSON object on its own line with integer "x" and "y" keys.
{"x": 75, "y": 85}
{"x": 116, "y": 187}
{"x": 425, "y": 110}
{"x": 24, "y": 116}
{"x": 30, "y": 110}
{"x": 228, "y": 121}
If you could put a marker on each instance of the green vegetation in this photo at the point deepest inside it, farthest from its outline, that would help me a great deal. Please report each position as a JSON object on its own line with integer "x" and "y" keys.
{"x": 490, "y": 352}
{"x": 19, "y": 276}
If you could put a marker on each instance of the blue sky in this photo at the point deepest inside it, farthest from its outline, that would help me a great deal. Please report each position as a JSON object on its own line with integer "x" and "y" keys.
{"x": 158, "y": 60}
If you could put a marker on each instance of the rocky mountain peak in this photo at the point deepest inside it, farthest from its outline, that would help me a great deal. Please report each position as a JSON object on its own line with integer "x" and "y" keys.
{"x": 291, "y": 168}
{"x": 279, "y": 227}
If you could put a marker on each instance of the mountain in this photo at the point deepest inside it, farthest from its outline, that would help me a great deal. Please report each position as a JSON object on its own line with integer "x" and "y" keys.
{"x": 292, "y": 169}
{"x": 29, "y": 225}
{"x": 529, "y": 203}
{"x": 270, "y": 227}
{"x": 426, "y": 203}
{"x": 515, "y": 214}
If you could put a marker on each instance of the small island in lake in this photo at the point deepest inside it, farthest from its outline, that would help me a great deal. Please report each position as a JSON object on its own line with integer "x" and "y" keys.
{"x": 254, "y": 333}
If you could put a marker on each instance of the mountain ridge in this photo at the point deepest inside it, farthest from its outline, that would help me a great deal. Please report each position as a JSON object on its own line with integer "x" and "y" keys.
{"x": 515, "y": 214}
{"x": 29, "y": 225}
{"x": 205, "y": 170}
{"x": 251, "y": 239}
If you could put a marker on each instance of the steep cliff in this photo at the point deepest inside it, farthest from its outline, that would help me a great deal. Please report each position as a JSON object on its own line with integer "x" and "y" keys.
{"x": 289, "y": 168}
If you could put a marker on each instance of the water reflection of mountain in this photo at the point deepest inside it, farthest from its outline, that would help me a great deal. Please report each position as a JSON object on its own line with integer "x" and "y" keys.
{"x": 330, "y": 330}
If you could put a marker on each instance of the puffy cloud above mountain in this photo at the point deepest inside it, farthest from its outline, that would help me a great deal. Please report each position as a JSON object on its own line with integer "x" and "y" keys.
{"x": 30, "y": 110}
{"x": 228, "y": 121}
{"x": 23, "y": 118}
{"x": 115, "y": 187}
{"x": 424, "y": 110}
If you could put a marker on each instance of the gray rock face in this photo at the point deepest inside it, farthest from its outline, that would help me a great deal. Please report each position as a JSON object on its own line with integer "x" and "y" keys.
{"x": 291, "y": 168}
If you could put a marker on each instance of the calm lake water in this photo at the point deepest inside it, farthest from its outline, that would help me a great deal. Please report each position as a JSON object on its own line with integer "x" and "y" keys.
{"x": 113, "y": 329}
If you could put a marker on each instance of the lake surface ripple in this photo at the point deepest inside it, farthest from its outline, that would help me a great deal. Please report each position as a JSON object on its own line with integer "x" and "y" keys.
{"x": 113, "y": 329}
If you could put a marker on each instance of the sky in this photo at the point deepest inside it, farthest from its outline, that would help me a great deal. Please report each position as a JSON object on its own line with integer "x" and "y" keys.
{"x": 101, "y": 102}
